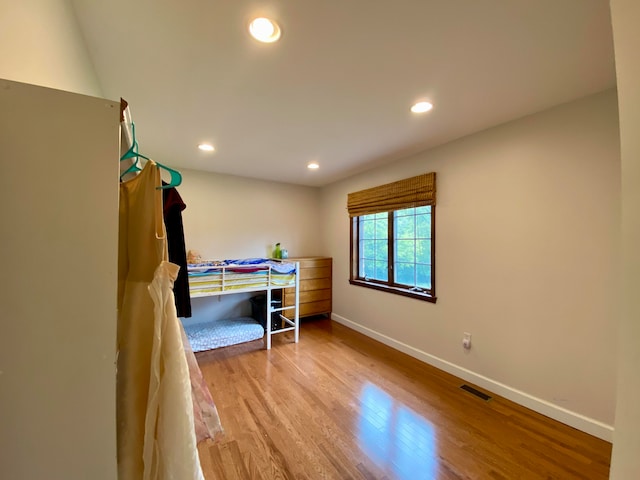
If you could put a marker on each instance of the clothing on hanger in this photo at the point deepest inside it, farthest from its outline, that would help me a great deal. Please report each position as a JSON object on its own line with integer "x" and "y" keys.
{"x": 154, "y": 402}
{"x": 173, "y": 207}
{"x": 135, "y": 167}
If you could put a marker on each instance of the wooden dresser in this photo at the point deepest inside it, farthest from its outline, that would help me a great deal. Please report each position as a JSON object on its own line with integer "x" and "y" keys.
{"x": 315, "y": 286}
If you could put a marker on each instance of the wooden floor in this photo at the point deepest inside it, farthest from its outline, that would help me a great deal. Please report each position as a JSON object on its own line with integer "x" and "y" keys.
{"x": 339, "y": 405}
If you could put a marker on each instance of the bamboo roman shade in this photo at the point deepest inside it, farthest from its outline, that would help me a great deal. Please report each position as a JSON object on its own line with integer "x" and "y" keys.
{"x": 408, "y": 193}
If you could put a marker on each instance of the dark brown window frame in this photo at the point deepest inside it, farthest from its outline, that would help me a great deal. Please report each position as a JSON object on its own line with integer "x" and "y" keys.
{"x": 390, "y": 286}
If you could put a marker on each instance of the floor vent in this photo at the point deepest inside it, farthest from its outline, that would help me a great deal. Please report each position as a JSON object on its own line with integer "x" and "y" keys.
{"x": 475, "y": 392}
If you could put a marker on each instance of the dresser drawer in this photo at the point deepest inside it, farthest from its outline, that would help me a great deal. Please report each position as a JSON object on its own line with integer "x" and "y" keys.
{"x": 312, "y": 262}
{"x": 308, "y": 296}
{"x": 315, "y": 308}
{"x": 311, "y": 308}
{"x": 315, "y": 284}
{"x": 315, "y": 272}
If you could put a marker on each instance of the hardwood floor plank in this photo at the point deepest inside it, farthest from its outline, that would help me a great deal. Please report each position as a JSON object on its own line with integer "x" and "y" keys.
{"x": 339, "y": 405}
{"x": 229, "y": 458}
{"x": 252, "y": 467}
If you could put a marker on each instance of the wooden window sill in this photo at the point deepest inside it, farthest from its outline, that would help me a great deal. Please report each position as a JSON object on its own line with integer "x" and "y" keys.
{"x": 425, "y": 297}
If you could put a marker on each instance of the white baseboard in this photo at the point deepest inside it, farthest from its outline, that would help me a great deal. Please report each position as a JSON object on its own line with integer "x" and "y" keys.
{"x": 573, "y": 419}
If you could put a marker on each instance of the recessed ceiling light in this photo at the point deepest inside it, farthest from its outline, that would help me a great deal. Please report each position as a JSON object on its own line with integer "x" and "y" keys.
{"x": 313, "y": 166}
{"x": 421, "y": 107}
{"x": 264, "y": 30}
{"x": 205, "y": 147}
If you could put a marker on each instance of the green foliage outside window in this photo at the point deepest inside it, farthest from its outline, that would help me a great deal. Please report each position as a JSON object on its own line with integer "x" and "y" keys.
{"x": 408, "y": 233}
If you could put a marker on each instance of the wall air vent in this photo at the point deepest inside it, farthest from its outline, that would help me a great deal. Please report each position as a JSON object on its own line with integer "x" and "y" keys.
{"x": 475, "y": 392}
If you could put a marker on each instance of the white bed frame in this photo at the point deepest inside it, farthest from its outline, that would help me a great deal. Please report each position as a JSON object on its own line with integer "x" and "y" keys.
{"x": 268, "y": 287}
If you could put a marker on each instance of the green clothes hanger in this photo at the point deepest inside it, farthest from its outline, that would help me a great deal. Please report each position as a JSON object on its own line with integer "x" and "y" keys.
{"x": 135, "y": 166}
{"x": 176, "y": 177}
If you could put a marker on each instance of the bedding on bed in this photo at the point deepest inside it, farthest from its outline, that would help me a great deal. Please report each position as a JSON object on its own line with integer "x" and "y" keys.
{"x": 241, "y": 274}
{"x": 276, "y": 266}
{"x": 222, "y": 333}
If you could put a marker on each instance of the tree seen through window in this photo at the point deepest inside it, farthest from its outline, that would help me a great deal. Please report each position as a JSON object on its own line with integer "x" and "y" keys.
{"x": 407, "y": 234}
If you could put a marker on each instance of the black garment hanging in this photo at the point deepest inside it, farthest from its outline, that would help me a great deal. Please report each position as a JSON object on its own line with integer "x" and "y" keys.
{"x": 173, "y": 207}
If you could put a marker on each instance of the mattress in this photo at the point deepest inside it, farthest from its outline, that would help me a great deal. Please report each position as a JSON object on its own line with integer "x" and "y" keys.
{"x": 222, "y": 333}
{"x": 209, "y": 278}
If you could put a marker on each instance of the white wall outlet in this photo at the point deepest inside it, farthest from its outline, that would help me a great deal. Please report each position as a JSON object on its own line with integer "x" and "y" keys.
{"x": 466, "y": 340}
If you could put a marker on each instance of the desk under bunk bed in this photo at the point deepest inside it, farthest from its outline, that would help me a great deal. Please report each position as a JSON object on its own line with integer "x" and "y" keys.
{"x": 242, "y": 276}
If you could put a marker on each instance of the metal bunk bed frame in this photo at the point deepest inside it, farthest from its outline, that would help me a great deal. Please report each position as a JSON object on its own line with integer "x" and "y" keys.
{"x": 292, "y": 325}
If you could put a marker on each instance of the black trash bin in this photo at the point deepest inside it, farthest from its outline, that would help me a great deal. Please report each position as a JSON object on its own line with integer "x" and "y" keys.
{"x": 259, "y": 311}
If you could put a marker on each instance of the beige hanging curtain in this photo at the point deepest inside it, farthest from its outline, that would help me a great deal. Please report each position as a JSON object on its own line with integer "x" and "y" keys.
{"x": 408, "y": 193}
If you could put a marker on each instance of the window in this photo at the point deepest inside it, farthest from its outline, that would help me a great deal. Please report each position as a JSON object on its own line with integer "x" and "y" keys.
{"x": 392, "y": 237}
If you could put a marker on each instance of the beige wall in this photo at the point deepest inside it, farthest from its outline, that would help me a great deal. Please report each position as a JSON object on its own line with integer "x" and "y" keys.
{"x": 41, "y": 43}
{"x": 233, "y": 217}
{"x": 626, "y": 461}
{"x": 58, "y": 295}
{"x": 527, "y": 230}
{"x": 57, "y": 374}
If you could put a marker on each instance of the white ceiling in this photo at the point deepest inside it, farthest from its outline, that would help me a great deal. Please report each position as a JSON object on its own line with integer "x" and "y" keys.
{"x": 338, "y": 86}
